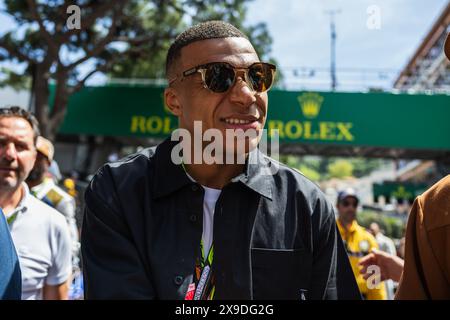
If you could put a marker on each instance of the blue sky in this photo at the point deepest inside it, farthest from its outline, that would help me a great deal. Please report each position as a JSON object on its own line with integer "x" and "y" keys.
{"x": 365, "y": 57}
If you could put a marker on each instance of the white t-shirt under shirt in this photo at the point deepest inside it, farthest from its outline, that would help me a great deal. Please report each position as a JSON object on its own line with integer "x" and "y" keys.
{"x": 42, "y": 240}
{"x": 209, "y": 203}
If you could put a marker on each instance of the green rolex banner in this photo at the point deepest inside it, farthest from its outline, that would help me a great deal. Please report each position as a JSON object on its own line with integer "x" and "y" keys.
{"x": 416, "y": 121}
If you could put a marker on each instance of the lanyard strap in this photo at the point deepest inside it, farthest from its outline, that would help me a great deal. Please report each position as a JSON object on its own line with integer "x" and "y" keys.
{"x": 12, "y": 218}
{"x": 209, "y": 259}
{"x": 204, "y": 275}
{"x": 203, "y": 287}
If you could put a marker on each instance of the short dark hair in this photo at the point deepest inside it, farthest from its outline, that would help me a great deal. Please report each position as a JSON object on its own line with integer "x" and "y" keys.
{"x": 18, "y": 112}
{"x": 214, "y": 29}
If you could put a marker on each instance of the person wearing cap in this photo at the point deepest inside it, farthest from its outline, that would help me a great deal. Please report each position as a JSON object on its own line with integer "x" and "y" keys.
{"x": 43, "y": 187}
{"x": 358, "y": 242}
{"x": 40, "y": 233}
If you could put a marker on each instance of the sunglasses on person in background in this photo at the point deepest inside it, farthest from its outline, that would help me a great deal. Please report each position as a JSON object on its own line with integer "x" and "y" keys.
{"x": 346, "y": 203}
{"x": 218, "y": 77}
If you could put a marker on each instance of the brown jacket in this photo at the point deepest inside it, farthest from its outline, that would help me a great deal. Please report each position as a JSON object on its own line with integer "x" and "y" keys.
{"x": 426, "y": 274}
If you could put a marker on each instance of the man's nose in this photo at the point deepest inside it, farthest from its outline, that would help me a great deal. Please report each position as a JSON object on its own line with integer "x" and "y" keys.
{"x": 8, "y": 151}
{"x": 241, "y": 94}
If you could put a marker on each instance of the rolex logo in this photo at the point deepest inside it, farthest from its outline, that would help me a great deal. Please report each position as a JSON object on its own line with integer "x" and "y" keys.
{"x": 310, "y": 103}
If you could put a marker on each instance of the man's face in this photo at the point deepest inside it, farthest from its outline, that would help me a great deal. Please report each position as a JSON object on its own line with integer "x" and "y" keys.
{"x": 17, "y": 152}
{"x": 197, "y": 103}
{"x": 347, "y": 209}
{"x": 374, "y": 229}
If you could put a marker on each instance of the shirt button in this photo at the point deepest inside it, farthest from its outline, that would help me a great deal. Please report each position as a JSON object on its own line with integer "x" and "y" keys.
{"x": 178, "y": 280}
{"x": 194, "y": 187}
{"x": 193, "y": 218}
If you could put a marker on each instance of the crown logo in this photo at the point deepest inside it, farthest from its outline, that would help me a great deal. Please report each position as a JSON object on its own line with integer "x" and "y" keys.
{"x": 310, "y": 104}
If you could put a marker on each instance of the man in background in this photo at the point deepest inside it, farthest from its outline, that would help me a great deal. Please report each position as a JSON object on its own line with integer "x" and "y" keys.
{"x": 43, "y": 187}
{"x": 357, "y": 240}
{"x": 387, "y": 245}
{"x": 39, "y": 232}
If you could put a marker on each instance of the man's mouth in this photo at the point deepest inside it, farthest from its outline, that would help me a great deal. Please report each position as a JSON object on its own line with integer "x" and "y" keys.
{"x": 241, "y": 122}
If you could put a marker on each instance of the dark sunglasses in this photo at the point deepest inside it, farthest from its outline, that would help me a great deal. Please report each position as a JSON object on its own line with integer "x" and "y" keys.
{"x": 347, "y": 203}
{"x": 221, "y": 76}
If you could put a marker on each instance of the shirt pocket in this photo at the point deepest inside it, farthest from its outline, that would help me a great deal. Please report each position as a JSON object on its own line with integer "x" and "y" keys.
{"x": 280, "y": 273}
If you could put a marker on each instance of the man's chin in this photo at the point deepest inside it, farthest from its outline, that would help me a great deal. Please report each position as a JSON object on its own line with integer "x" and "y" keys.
{"x": 9, "y": 184}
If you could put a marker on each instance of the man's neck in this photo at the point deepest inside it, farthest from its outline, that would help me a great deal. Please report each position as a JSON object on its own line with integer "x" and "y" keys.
{"x": 10, "y": 199}
{"x": 214, "y": 176}
{"x": 345, "y": 223}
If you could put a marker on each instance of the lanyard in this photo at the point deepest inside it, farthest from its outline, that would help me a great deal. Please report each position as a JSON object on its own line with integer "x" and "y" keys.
{"x": 204, "y": 275}
{"x": 206, "y": 260}
{"x": 12, "y": 218}
{"x": 203, "y": 287}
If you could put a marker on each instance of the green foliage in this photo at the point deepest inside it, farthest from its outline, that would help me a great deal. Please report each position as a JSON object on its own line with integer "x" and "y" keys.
{"x": 151, "y": 64}
{"x": 340, "y": 169}
{"x": 14, "y": 79}
{"x": 124, "y": 39}
{"x": 362, "y": 166}
{"x": 310, "y": 173}
{"x": 392, "y": 227}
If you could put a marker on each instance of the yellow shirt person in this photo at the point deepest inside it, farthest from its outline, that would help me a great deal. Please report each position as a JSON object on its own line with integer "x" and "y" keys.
{"x": 360, "y": 242}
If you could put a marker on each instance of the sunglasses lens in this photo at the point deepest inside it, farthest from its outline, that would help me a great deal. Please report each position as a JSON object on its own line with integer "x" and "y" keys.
{"x": 261, "y": 76}
{"x": 219, "y": 77}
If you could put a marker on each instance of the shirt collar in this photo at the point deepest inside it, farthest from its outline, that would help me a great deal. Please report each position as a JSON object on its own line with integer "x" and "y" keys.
{"x": 22, "y": 206}
{"x": 257, "y": 173}
{"x": 170, "y": 177}
{"x": 351, "y": 228}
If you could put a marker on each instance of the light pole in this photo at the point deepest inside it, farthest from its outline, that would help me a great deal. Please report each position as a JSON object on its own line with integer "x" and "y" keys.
{"x": 332, "y": 13}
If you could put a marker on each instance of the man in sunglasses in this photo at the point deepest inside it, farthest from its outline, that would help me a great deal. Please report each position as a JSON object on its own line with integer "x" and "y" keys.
{"x": 358, "y": 242}
{"x": 156, "y": 227}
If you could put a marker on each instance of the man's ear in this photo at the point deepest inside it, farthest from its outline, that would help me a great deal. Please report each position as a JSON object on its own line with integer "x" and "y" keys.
{"x": 172, "y": 101}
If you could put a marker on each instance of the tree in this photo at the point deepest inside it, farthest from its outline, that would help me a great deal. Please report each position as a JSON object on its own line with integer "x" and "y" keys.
{"x": 151, "y": 65}
{"x": 340, "y": 169}
{"x": 54, "y": 47}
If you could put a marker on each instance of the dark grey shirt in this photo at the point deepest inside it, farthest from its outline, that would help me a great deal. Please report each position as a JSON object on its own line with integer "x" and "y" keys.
{"x": 275, "y": 235}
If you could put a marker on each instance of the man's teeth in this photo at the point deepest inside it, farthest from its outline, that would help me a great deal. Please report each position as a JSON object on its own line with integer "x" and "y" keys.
{"x": 237, "y": 121}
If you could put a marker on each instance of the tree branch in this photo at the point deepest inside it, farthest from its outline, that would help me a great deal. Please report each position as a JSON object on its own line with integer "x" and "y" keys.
{"x": 15, "y": 52}
{"x": 142, "y": 39}
{"x": 102, "y": 43}
{"x": 89, "y": 21}
{"x": 101, "y": 68}
{"x": 49, "y": 39}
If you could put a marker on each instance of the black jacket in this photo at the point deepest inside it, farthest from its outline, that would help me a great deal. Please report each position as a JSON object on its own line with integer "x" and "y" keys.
{"x": 275, "y": 235}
